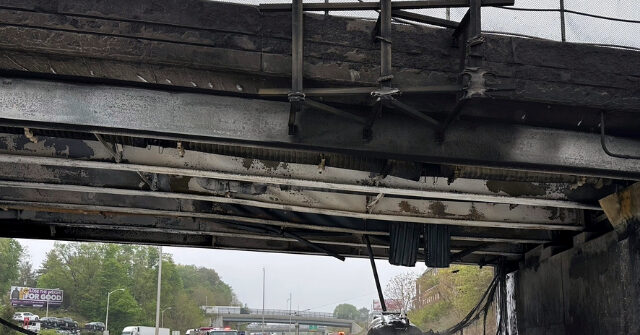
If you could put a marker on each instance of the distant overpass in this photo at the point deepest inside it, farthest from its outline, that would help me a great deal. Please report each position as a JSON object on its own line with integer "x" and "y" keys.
{"x": 225, "y": 314}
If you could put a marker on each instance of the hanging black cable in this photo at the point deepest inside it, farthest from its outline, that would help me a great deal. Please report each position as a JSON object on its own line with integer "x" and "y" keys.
{"x": 15, "y": 327}
{"x": 604, "y": 144}
{"x": 375, "y": 273}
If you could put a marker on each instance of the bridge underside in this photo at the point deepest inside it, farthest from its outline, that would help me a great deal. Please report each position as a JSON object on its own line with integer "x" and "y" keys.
{"x": 93, "y": 149}
{"x": 212, "y": 175}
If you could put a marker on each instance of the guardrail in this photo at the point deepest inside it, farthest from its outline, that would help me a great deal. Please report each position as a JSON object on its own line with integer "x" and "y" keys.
{"x": 259, "y": 311}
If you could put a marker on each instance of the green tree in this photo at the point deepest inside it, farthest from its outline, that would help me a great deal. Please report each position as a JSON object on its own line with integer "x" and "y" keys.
{"x": 26, "y": 275}
{"x": 10, "y": 254}
{"x": 346, "y": 311}
{"x": 363, "y": 314}
{"x": 459, "y": 287}
{"x": 123, "y": 311}
{"x": 88, "y": 271}
{"x": 73, "y": 267}
{"x": 6, "y": 312}
{"x": 204, "y": 286}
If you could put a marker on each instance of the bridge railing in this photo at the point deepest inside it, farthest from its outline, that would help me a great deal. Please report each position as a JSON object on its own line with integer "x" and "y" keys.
{"x": 607, "y": 22}
{"x": 282, "y": 312}
{"x": 259, "y": 311}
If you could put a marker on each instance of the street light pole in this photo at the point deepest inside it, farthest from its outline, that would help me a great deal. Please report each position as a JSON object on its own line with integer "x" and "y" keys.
{"x": 163, "y": 315}
{"x": 159, "y": 286}
{"x": 289, "y": 312}
{"x": 106, "y": 320}
{"x": 263, "y": 275}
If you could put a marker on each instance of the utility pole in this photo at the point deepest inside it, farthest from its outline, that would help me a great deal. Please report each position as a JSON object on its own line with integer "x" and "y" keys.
{"x": 159, "y": 287}
{"x": 106, "y": 320}
{"x": 263, "y": 286}
{"x": 289, "y": 312}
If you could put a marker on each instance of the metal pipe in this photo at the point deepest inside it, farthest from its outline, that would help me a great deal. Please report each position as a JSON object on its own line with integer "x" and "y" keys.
{"x": 349, "y": 6}
{"x": 297, "y": 45}
{"x": 65, "y": 162}
{"x": 603, "y": 143}
{"x": 303, "y": 209}
{"x": 385, "y": 43}
{"x": 475, "y": 29}
{"x": 562, "y": 22}
{"x": 375, "y": 273}
{"x": 498, "y": 240}
{"x": 296, "y": 96}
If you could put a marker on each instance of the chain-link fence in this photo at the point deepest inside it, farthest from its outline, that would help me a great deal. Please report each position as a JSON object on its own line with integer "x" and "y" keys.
{"x": 609, "y": 22}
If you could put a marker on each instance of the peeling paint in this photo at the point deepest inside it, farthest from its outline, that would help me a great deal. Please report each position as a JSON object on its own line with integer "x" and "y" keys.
{"x": 69, "y": 147}
{"x": 407, "y": 208}
{"x": 247, "y": 162}
{"x": 270, "y": 165}
{"x": 556, "y": 213}
{"x": 475, "y": 214}
{"x": 438, "y": 209}
{"x": 516, "y": 189}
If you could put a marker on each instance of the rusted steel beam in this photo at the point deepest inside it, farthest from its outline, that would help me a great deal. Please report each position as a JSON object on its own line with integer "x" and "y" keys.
{"x": 61, "y": 162}
{"x": 350, "y": 6}
{"x": 50, "y": 206}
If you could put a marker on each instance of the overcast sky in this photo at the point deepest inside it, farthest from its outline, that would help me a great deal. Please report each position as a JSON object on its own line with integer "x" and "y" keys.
{"x": 317, "y": 283}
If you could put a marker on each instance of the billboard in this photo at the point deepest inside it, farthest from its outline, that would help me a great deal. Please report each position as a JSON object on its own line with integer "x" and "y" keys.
{"x": 35, "y": 297}
{"x": 393, "y": 305}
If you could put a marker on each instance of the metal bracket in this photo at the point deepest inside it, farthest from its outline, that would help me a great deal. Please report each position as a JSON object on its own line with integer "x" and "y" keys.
{"x": 474, "y": 82}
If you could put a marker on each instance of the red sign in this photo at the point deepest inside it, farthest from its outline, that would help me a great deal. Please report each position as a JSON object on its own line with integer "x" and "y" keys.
{"x": 393, "y": 305}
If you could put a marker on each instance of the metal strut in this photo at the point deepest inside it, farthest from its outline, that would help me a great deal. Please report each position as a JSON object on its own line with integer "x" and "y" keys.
{"x": 382, "y": 34}
{"x": 375, "y": 273}
{"x": 296, "y": 96}
{"x": 471, "y": 83}
{"x": 472, "y": 74}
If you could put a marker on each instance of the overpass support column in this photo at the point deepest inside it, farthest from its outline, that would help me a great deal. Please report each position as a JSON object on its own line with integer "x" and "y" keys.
{"x": 592, "y": 288}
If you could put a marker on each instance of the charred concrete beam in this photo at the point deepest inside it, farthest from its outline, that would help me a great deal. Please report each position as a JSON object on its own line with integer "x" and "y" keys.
{"x": 344, "y": 232}
{"x": 178, "y": 45}
{"x": 147, "y": 235}
{"x": 259, "y": 122}
{"x": 299, "y": 201}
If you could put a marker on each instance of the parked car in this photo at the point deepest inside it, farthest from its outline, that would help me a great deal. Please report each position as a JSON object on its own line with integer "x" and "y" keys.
{"x": 20, "y": 316}
{"x": 94, "y": 326}
{"x": 49, "y": 322}
{"x": 68, "y": 324}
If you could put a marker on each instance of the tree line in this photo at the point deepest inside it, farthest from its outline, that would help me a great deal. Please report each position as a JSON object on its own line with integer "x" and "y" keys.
{"x": 88, "y": 271}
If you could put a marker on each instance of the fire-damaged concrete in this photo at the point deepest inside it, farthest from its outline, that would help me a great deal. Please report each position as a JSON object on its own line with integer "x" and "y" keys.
{"x": 164, "y": 122}
{"x": 217, "y": 47}
{"x": 593, "y": 288}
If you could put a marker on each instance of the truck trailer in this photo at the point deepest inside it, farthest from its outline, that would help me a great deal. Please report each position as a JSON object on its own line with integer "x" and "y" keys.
{"x": 143, "y": 330}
